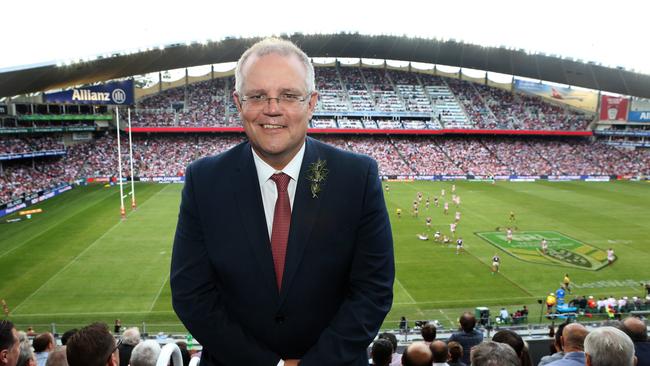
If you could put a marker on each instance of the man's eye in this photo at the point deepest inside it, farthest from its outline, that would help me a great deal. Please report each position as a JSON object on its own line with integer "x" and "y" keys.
{"x": 256, "y": 97}
{"x": 290, "y": 97}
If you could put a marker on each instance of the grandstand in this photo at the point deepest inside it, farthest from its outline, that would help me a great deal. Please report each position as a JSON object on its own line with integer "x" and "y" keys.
{"x": 418, "y": 124}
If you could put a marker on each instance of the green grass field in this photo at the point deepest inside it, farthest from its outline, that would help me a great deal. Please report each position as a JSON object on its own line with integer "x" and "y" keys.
{"x": 77, "y": 262}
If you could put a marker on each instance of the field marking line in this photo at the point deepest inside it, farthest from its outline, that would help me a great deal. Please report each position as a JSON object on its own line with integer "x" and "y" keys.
{"x": 74, "y": 260}
{"x": 405, "y": 291}
{"x": 159, "y": 291}
{"x": 451, "y": 322}
{"x": 39, "y": 233}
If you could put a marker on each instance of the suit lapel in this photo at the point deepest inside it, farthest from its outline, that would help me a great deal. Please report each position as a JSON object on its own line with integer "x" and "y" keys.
{"x": 303, "y": 216}
{"x": 251, "y": 210}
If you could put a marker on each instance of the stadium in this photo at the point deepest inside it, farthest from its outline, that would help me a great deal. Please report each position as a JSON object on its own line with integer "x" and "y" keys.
{"x": 556, "y": 152}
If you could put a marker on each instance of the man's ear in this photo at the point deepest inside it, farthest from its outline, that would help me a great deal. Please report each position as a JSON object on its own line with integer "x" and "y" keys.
{"x": 115, "y": 359}
{"x": 235, "y": 97}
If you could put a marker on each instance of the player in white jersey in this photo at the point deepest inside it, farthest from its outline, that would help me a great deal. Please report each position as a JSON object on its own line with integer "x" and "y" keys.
{"x": 442, "y": 193}
{"x": 496, "y": 262}
{"x": 436, "y": 236}
{"x": 457, "y": 216}
{"x": 610, "y": 256}
{"x": 459, "y": 245}
{"x": 452, "y": 228}
{"x": 544, "y": 246}
{"x": 453, "y": 188}
{"x": 509, "y": 235}
{"x": 446, "y": 208}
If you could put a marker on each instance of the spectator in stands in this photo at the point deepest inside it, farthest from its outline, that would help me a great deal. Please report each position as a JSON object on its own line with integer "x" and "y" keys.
{"x": 145, "y": 353}
{"x": 43, "y": 344}
{"x": 381, "y": 353}
{"x": 468, "y": 337}
{"x": 455, "y": 354}
{"x": 57, "y": 357}
{"x": 573, "y": 338}
{"x": 517, "y": 343}
{"x": 440, "y": 353}
{"x": 428, "y": 332}
{"x": 397, "y": 357}
{"x": 636, "y": 329}
{"x": 9, "y": 344}
{"x": 67, "y": 335}
{"x": 557, "y": 347}
{"x": 417, "y": 354}
{"x": 491, "y": 353}
{"x": 185, "y": 353}
{"x": 130, "y": 338}
{"x": 608, "y": 346}
{"x": 26, "y": 356}
{"x": 93, "y": 345}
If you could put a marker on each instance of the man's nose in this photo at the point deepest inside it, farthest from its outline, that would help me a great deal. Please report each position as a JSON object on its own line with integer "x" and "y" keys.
{"x": 272, "y": 106}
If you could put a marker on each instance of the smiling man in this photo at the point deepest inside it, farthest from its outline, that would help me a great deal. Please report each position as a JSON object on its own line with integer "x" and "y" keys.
{"x": 283, "y": 250}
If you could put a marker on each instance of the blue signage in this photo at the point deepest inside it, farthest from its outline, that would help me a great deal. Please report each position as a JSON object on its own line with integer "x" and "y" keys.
{"x": 639, "y": 116}
{"x": 117, "y": 93}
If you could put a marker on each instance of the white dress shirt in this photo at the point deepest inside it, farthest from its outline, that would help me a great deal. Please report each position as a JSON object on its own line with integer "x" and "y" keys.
{"x": 267, "y": 185}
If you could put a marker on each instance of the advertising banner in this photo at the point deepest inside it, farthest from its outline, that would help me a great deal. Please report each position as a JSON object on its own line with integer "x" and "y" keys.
{"x": 117, "y": 93}
{"x": 639, "y": 116}
{"x": 613, "y": 108}
{"x": 583, "y": 99}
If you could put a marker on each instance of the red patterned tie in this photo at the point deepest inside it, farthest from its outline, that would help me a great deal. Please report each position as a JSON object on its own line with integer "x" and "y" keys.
{"x": 281, "y": 222}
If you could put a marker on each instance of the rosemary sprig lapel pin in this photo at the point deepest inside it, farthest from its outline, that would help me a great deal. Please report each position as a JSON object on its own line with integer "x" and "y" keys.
{"x": 317, "y": 175}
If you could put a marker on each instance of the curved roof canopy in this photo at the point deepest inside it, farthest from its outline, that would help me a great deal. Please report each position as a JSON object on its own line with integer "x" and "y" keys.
{"x": 452, "y": 53}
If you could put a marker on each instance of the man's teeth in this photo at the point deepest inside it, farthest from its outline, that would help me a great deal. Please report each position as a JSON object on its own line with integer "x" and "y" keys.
{"x": 272, "y": 126}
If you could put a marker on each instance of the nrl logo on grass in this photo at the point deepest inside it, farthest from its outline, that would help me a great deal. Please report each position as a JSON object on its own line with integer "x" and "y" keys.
{"x": 562, "y": 250}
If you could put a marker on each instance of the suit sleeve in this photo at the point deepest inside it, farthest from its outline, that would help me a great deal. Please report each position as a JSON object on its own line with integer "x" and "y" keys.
{"x": 195, "y": 295}
{"x": 370, "y": 285}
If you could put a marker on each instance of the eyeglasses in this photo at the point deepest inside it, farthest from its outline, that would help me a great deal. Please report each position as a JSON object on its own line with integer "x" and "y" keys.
{"x": 285, "y": 100}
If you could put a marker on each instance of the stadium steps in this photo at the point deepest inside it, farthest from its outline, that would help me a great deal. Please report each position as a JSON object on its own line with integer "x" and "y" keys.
{"x": 397, "y": 91}
{"x": 371, "y": 93}
{"x": 487, "y": 107}
{"x": 344, "y": 88}
{"x": 392, "y": 143}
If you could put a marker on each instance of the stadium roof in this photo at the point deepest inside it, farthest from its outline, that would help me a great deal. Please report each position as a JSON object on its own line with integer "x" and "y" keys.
{"x": 452, "y": 53}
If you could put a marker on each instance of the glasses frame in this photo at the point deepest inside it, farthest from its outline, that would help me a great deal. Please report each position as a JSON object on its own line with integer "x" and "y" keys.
{"x": 263, "y": 100}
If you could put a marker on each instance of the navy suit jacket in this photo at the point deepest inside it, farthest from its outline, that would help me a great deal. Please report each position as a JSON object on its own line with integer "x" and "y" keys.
{"x": 339, "y": 269}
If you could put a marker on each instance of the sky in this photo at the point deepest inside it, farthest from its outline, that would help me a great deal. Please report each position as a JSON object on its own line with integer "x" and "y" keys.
{"x": 613, "y": 33}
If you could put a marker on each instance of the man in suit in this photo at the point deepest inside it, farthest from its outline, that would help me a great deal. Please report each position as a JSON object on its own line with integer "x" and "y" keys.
{"x": 283, "y": 249}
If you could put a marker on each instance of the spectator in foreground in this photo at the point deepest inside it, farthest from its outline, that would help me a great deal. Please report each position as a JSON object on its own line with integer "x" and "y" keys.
{"x": 417, "y": 354}
{"x": 93, "y": 345}
{"x": 440, "y": 353}
{"x": 636, "y": 329}
{"x": 455, "y": 354}
{"x": 145, "y": 353}
{"x": 43, "y": 344}
{"x": 557, "y": 346}
{"x": 608, "y": 346}
{"x": 573, "y": 339}
{"x": 130, "y": 338}
{"x": 492, "y": 353}
{"x": 381, "y": 352}
{"x": 26, "y": 356}
{"x": 468, "y": 337}
{"x": 57, "y": 357}
{"x": 9, "y": 344}
{"x": 428, "y": 332}
{"x": 397, "y": 357}
{"x": 517, "y": 343}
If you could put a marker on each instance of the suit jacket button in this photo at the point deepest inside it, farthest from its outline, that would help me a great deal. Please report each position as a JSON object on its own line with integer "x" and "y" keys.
{"x": 279, "y": 319}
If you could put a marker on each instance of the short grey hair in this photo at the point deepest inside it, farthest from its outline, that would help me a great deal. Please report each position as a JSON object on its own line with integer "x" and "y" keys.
{"x": 145, "y": 354}
{"x": 277, "y": 46}
{"x": 131, "y": 336}
{"x": 26, "y": 354}
{"x": 491, "y": 353}
{"x": 608, "y": 346}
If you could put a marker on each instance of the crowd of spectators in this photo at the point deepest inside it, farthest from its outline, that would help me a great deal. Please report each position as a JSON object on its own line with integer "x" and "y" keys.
{"x": 168, "y": 155}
